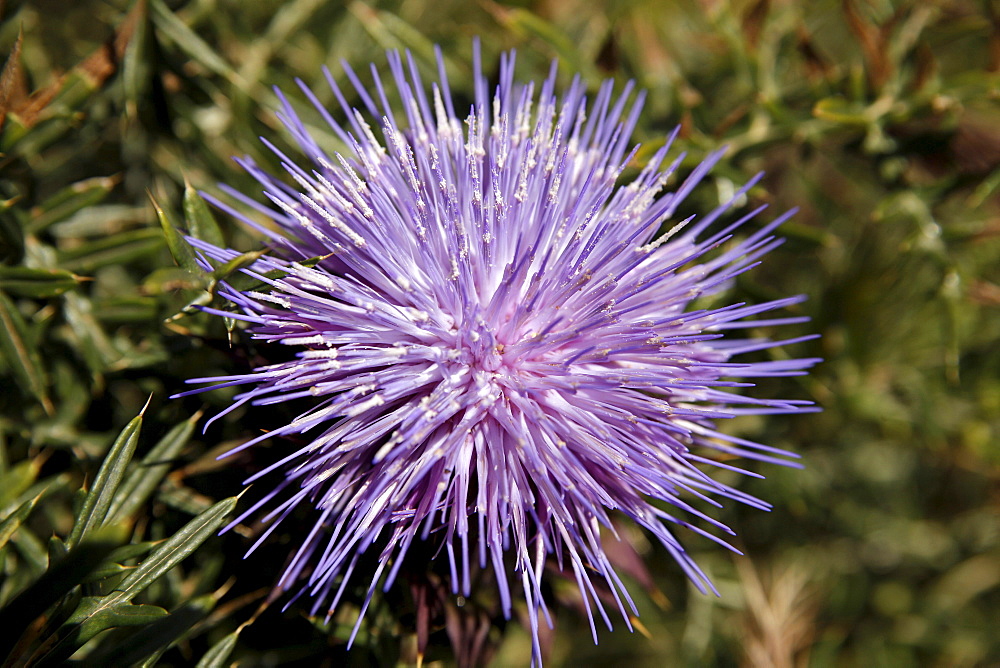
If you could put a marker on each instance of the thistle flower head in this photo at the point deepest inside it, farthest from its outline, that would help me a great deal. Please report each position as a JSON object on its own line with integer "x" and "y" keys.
{"x": 499, "y": 347}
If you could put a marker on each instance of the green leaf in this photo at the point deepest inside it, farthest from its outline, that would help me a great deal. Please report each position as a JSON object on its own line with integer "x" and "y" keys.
{"x": 93, "y": 616}
{"x": 98, "y": 501}
{"x": 23, "y": 358}
{"x": 133, "y": 550}
{"x": 115, "y": 249}
{"x": 180, "y": 249}
{"x": 218, "y": 655}
{"x": 88, "y": 337}
{"x": 174, "y": 550}
{"x": 89, "y": 619}
{"x": 525, "y": 23}
{"x": 35, "y": 558}
{"x": 168, "y": 280}
{"x": 150, "y": 642}
{"x": 16, "y": 480}
{"x": 98, "y": 613}
{"x": 106, "y": 570}
{"x": 245, "y": 283}
{"x": 193, "y": 45}
{"x": 241, "y": 261}
{"x": 136, "y": 70}
{"x": 126, "y": 309}
{"x": 11, "y": 235}
{"x": 839, "y": 110}
{"x": 36, "y": 283}
{"x": 70, "y": 200}
{"x": 99, "y": 221}
{"x": 144, "y": 479}
{"x": 183, "y": 498}
{"x": 392, "y": 32}
{"x": 200, "y": 221}
{"x": 61, "y": 579}
{"x": 13, "y": 522}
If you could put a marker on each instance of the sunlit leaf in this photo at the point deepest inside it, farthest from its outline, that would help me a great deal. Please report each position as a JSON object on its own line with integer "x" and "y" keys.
{"x": 180, "y": 249}
{"x": 200, "y": 221}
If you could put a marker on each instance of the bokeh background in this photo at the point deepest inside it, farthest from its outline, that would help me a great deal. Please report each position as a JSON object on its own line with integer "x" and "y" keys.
{"x": 879, "y": 120}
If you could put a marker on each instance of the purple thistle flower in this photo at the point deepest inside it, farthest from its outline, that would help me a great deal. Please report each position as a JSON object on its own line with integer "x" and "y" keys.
{"x": 497, "y": 349}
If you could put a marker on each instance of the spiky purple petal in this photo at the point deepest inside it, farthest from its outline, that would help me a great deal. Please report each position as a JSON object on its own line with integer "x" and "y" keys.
{"x": 498, "y": 349}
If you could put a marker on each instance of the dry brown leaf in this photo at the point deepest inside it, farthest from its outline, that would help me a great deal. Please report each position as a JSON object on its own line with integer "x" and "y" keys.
{"x": 95, "y": 69}
{"x": 13, "y": 88}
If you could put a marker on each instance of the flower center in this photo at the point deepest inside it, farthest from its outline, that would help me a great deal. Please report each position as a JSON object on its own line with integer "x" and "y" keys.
{"x": 493, "y": 359}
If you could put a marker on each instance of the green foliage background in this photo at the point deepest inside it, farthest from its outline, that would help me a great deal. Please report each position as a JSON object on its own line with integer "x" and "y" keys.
{"x": 878, "y": 119}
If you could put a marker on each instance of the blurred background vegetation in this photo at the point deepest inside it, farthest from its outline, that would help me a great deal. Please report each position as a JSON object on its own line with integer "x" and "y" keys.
{"x": 879, "y": 120}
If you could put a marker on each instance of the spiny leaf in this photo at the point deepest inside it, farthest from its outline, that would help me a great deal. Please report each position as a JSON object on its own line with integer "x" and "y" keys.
{"x": 245, "y": 283}
{"x": 241, "y": 261}
{"x": 840, "y": 110}
{"x": 34, "y": 558}
{"x": 106, "y": 570}
{"x": 11, "y": 234}
{"x": 93, "y": 617}
{"x": 180, "y": 249}
{"x": 61, "y": 578}
{"x": 143, "y": 480}
{"x": 174, "y": 550}
{"x": 200, "y": 221}
{"x": 98, "y": 501}
{"x": 151, "y": 641}
{"x": 89, "y": 619}
{"x": 133, "y": 550}
{"x": 133, "y": 309}
{"x": 97, "y": 613}
{"x": 66, "y": 93}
